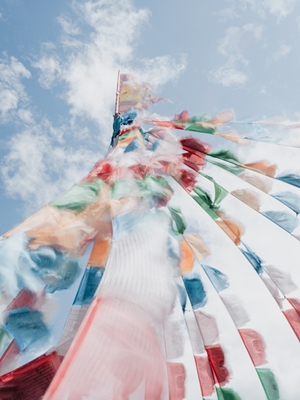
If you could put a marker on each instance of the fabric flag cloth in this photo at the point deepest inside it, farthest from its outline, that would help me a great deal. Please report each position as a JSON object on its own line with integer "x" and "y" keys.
{"x": 170, "y": 271}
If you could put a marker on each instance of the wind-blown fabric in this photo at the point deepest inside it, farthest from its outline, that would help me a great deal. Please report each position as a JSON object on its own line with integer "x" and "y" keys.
{"x": 169, "y": 272}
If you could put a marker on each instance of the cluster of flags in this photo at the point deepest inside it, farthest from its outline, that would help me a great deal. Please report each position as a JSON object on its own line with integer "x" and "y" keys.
{"x": 170, "y": 271}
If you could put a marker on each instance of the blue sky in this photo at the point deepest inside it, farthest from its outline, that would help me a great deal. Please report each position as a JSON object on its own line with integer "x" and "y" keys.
{"x": 58, "y": 67}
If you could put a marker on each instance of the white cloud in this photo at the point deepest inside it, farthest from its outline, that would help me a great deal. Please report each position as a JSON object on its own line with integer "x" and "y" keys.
{"x": 68, "y": 26}
{"x": 279, "y": 8}
{"x": 229, "y": 13}
{"x": 25, "y": 116}
{"x": 229, "y": 74}
{"x": 159, "y": 70}
{"x": 12, "y": 91}
{"x": 92, "y": 60}
{"x": 100, "y": 38}
{"x": 256, "y": 30}
{"x": 230, "y": 42}
{"x": 37, "y": 168}
{"x": 234, "y": 72}
{"x": 8, "y": 101}
{"x": 48, "y": 46}
{"x": 283, "y": 51}
{"x": 50, "y": 69}
{"x": 41, "y": 161}
{"x": 234, "y": 36}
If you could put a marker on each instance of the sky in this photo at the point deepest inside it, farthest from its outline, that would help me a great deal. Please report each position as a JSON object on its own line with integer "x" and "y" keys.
{"x": 58, "y": 71}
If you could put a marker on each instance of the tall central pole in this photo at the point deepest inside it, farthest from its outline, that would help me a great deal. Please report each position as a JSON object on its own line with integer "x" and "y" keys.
{"x": 117, "y": 96}
{"x": 117, "y": 118}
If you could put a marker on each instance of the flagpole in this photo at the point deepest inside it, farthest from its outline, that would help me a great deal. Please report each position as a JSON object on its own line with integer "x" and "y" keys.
{"x": 116, "y": 125}
{"x": 117, "y": 96}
